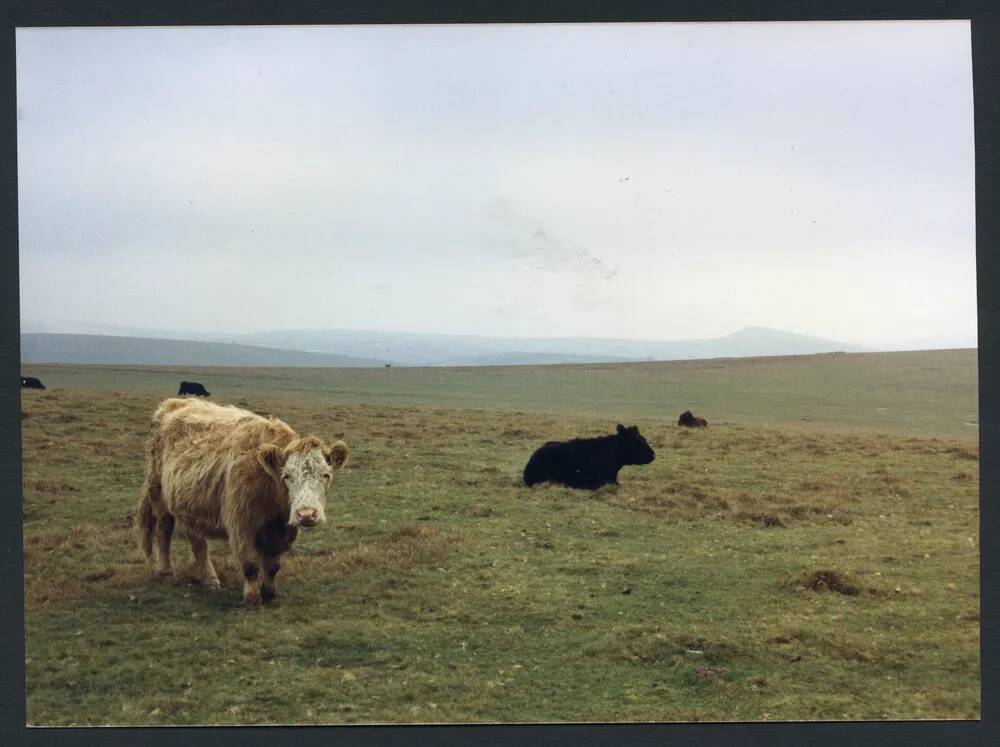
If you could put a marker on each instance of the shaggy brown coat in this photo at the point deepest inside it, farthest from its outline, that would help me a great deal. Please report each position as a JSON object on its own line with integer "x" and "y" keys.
{"x": 218, "y": 471}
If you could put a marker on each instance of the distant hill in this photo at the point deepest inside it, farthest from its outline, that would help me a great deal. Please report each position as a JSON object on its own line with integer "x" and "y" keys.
{"x": 417, "y": 349}
{"x": 370, "y": 348}
{"x": 531, "y": 359}
{"x": 108, "y": 349}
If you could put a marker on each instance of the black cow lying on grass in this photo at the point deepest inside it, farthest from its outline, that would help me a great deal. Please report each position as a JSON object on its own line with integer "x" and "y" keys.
{"x": 30, "y": 382}
{"x": 588, "y": 463}
{"x": 690, "y": 421}
{"x": 192, "y": 387}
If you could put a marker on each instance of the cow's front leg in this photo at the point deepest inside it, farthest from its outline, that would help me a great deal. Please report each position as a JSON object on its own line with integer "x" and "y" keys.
{"x": 272, "y": 541}
{"x": 252, "y": 567}
{"x": 267, "y": 588}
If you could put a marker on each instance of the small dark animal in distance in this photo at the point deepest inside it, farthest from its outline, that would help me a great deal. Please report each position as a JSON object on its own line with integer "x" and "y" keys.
{"x": 588, "y": 463}
{"x": 690, "y": 421}
{"x": 192, "y": 387}
{"x": 388, "y": 365}
{"x": 30, "y": 382}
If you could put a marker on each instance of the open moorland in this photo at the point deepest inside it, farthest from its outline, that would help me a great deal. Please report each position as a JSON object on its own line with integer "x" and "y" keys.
{"x": 812, "y": 554}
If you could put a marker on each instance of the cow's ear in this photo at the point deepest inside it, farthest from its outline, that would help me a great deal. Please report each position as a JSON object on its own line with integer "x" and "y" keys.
{"x": 336, "y": 455}
{"x": 272, "y": 459}
{"x": 621, "y": 428}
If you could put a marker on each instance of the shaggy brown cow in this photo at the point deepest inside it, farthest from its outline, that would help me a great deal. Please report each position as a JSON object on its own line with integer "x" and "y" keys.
{"x": 226, "y": 473}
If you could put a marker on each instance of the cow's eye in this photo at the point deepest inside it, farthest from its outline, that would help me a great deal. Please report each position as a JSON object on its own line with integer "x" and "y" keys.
{"x": 286, "y": 478}
{"x": 326, "y": 475}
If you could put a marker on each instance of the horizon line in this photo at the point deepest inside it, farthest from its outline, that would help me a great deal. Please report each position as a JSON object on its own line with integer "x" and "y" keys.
{"x": 369, "y": 330}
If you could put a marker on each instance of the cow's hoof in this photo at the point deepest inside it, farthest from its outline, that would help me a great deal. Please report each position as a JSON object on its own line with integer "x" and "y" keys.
{"x": 268, "y": 595}
{"x": 251, "y": 603}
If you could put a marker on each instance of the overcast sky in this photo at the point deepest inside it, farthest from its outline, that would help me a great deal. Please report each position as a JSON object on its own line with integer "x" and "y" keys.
{"x": 648, "y": 181}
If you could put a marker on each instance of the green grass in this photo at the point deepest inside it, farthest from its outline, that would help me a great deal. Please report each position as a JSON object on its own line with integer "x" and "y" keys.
{"x": 442, "y": 590}
{"x": 937, "y": 396}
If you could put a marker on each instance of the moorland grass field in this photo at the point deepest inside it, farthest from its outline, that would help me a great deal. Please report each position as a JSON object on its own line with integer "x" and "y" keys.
{"x": 812, "y": 554}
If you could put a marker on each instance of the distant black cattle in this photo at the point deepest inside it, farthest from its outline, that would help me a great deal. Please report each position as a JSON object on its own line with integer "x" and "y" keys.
{"x": 30, "y": 382}
{"x": 588, "y": 463}
{"x": 192, "y": 387}
{"x": 690, "y": 421}
{"x": 388, "y": 365}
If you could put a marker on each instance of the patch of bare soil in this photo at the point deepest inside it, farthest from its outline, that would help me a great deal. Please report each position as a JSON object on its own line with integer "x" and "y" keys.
{"x": 830, "y": 581}
{"x": 768, "y": 521}
{"x": 709, "y": 672}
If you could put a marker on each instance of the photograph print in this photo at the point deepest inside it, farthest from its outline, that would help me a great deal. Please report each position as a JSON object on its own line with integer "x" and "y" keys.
{"x": 488, "y": 374}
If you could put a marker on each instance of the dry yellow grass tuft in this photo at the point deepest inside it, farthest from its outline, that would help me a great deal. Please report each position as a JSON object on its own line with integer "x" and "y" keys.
{"x": 403, "y": 548}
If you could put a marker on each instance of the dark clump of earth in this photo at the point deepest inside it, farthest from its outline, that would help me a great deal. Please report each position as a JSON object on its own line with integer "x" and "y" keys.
{"x": 830, "y": 581}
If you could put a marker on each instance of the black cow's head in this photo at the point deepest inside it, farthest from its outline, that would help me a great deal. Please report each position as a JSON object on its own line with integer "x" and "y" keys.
{"x": 633, "y": 447}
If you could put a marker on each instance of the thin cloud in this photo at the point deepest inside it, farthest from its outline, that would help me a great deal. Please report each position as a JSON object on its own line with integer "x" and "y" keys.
{"x": 642, "y": 180}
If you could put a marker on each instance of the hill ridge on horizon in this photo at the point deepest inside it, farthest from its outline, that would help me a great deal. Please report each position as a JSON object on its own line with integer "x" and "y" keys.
{"x": 757, "y": 329}
{"x": 46, "y": 347}
{"x": 428, "y": 349}
{"x": 116, "y": 330}
{"x": 351, "y": 348}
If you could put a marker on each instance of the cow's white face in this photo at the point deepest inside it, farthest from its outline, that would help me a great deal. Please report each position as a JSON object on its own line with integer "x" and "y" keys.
{"x": 307, "y": 477}
{"x": 306, "y": 473}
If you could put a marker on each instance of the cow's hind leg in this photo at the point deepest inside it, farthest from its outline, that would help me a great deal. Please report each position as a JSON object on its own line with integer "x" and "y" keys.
{"x": 204, "y": 571}
{"x": 164, "y": 533}
{"x": 147, "y": 526}
{"x": 149, "y": 507}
